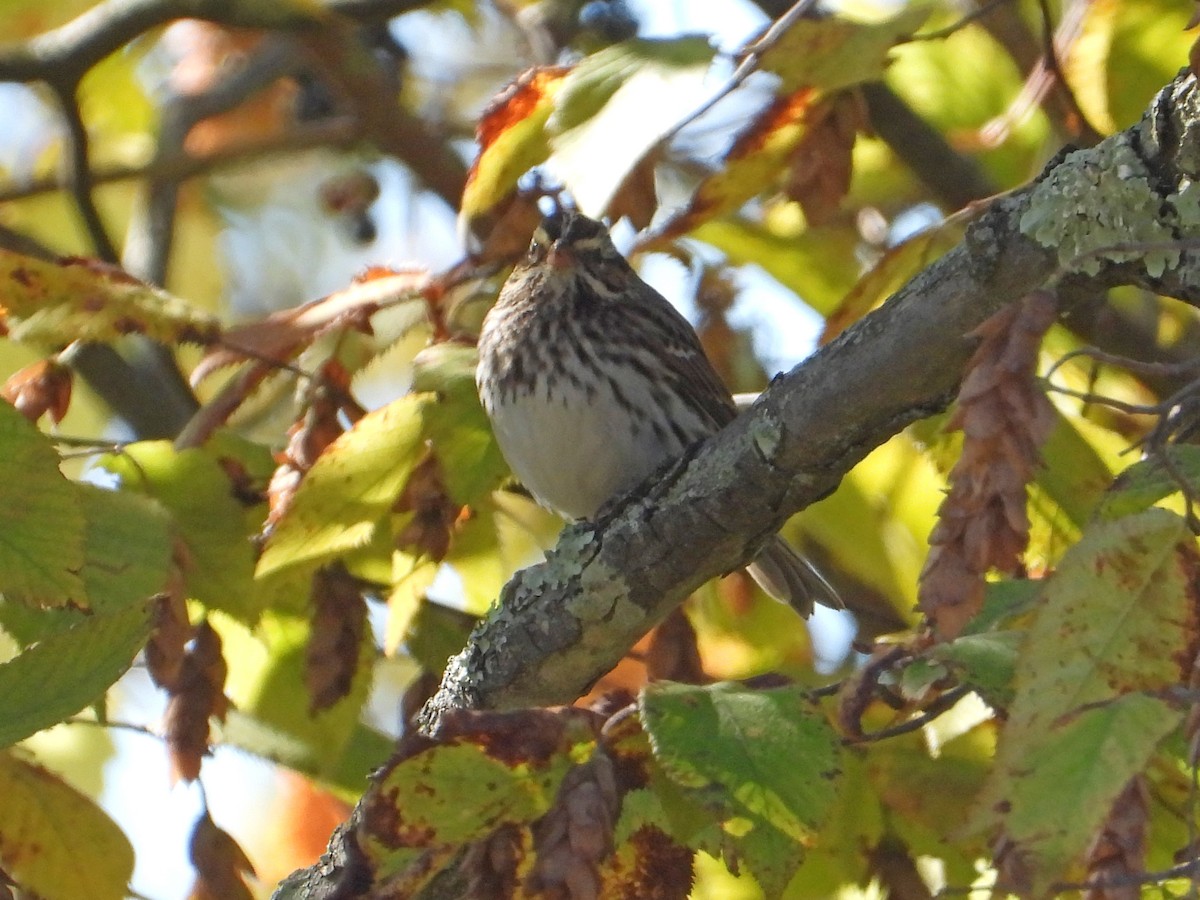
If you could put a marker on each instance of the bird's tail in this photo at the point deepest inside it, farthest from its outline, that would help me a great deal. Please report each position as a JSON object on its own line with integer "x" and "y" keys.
{"x": 790, "y": 578}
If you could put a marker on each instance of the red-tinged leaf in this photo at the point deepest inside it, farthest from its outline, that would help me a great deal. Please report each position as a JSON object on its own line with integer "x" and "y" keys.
{"x": 754, "y": 162}
{"x": 512, "y": 139}
{"x": 278, "y": 337}
{"x": 832, "y": 52}
{"x": 489, "y": 770}
{"x": 39, "y": 388}
{"x": 55, "y": 304}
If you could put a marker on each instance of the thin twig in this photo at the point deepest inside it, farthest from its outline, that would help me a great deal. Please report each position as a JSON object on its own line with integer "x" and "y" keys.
{"x": 79, "y": 175}
{"x": 342, "y": 131}
{"x": 938, "y": 707}
{"x": 751, "y": 57}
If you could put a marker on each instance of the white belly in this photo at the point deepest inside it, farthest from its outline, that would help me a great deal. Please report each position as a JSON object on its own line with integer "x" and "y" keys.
{"x": 573, "y": 455}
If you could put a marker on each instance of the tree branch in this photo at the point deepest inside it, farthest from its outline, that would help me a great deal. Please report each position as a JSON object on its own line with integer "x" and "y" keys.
{"x": 67, "y": 52}
{"x": 561, "y": 624}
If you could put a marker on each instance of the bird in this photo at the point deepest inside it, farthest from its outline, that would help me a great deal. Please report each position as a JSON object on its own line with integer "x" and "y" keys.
{"x": 592, "y": 380}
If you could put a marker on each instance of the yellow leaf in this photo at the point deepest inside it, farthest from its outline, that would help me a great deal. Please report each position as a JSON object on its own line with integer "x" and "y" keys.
{"x": 56, "y": 842}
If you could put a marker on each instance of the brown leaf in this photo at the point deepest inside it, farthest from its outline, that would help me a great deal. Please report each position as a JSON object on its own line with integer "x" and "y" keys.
{"x": 507, "y": 229}
{"x": 166, "y": 649}
{"x": 673, "y": 654}
{"x": 220, "y": 862}
{"x": 198, "y": 695}
{"x": 754, "y": 163}
{"x": 493, "y": 865}
{"x": 1004, "y": 417}
{"x": 316, "y": 429}
{"x": 339, "y": 621}
{"x": 637, "y": 194}
{"x": 280, "y": 336}
{"x": 430, "y": 528}
{"x": 576, "y": 834}
{"x": 1118, "y": 853}
{"x": 39, "y": 388}
{"x": 822, "y": 163}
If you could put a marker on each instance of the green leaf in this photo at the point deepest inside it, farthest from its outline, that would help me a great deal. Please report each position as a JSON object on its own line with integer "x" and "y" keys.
{"x": 506, "y": 768}
{"x": 127, "y": 554}
{"x": 1083, "y": 767}
{"x": 1117, "y": 621}
{"x": 1003, "y": 602}
{"x": 833, "y": 52}
{"x": 266, "y": 687}
{"x": 1075, "y": 476}
{"x": 56, "y": 842}
{"x": 128, "y": 550}
{"x": 41, "y": 541}
{"x": 762, "y": 755}
{"x": 346, "y": 772}
{"x": 56, "y": 303}
{"x": 1146, "y": 482}
{"x": 986, "y": 662}
{"x": 817, "y": 265}
{"x": 59, "y": 676}
{"x": 350, "y": 490}
{"x": 512, "y": 139}
{"x": 456, "y": 424}
{"x": 210, "y": 521}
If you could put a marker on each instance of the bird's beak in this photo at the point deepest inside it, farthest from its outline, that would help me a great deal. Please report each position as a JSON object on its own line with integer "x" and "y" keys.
{"x": 560, "y": 256}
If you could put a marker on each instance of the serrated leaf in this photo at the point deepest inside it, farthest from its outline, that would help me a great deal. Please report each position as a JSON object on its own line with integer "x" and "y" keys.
{"x": 762, "y": 754}
{"x": 754, "y": 162}
{"x": 56, "y": 303}
{"x": 1146, "y": 482}
{"x": 208, "y": 518}
{"x": 56, "y": 842}
{"x": 59, "y": 676}
{"x": 128, "y": 549}
{"x": 1117, "y": 740}
{"x": 127, "y": 553}
{"x": 645, "y": 856}
{"x": 41, "y": 539}
{"x": 1116, "y": 623}
{"x": 350, "y": 490}
{"x": 832, "y": 52}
